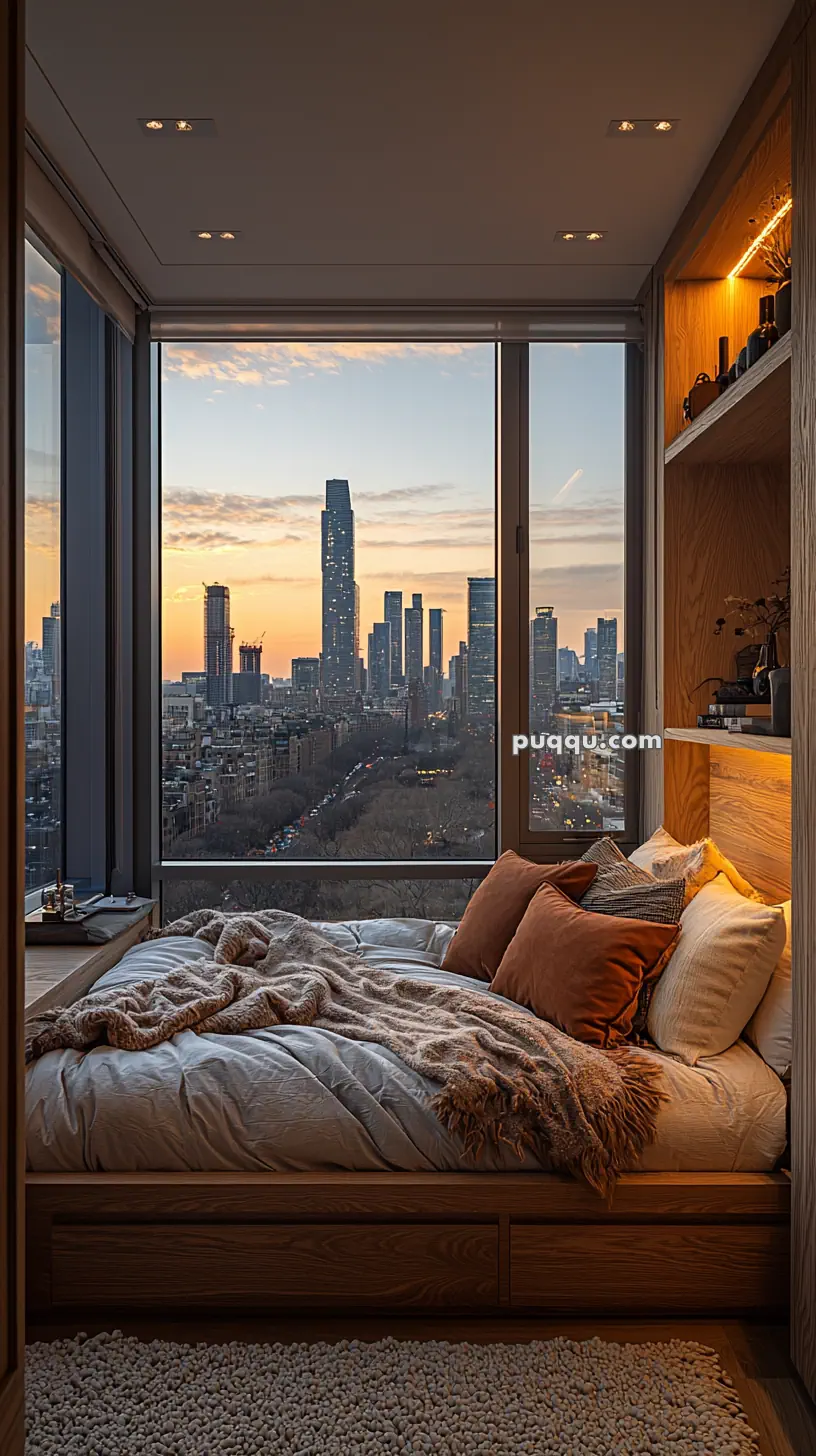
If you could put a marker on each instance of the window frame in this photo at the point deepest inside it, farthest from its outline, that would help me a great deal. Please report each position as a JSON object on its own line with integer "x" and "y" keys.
{"x": 512, "y": 332}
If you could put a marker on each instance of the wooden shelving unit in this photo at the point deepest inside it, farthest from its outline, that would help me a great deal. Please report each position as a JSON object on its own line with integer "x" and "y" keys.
{"x": 748, "y": 424}
{"x": 717, "y": 738}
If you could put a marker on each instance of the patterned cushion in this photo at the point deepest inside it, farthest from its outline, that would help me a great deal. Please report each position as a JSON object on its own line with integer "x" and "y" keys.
{"x": 620, "y": 888}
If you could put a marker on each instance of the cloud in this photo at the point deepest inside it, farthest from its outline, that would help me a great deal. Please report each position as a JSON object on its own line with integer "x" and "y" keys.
{"x": 401, "y": 493}
{"x": 431, "y": 543}
{"x": 204, "y": 541}
{"x": 260, "y": 364}
{"x": 586, "y": 586}
{"x": 180, "y": 505}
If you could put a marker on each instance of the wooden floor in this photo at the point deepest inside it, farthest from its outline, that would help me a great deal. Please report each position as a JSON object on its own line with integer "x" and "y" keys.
{"x": 754, "y": 1355}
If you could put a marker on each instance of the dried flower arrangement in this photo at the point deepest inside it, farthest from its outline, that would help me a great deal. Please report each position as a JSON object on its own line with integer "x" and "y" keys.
{"x": 766, "y": 614}
{"x": 775, "y": 250}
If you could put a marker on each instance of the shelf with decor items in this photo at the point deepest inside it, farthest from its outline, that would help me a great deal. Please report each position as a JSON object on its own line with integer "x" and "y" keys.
{"x": 749, "y": 423}
{"x": 718, "y": 738}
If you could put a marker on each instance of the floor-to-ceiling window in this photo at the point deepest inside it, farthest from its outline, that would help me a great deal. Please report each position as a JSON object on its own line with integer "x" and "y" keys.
{"x": 328, "y": 616}
{"x": 577, "y": 663}
{"x": 43, "y": 573}
{"x": 373, "y": 579}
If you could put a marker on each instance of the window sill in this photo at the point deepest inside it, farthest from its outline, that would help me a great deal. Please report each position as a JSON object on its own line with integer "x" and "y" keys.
{"x": 56, "y": 975}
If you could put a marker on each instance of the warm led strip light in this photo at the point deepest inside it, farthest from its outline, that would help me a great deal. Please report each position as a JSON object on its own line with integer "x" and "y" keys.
{"x": 757, "y": 243}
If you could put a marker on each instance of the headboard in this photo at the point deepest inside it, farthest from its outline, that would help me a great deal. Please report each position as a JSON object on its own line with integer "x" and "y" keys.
{"x": 749, "y": 816}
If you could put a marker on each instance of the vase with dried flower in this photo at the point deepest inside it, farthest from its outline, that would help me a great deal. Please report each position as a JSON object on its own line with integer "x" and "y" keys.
{"x": 764, "y": 617}
{"x": 775, "y": 251}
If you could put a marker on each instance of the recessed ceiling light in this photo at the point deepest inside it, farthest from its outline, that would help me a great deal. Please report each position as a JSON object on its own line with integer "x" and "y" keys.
{"x": 641, "y": 126}
{"x": 167, "y": 127}
{"x": 578, "y": 235}
{"x": 227, "y": 237}
{"x": 203, "y": 235}
{"x": 566, "y": 237}
{"x": 218, "y": 235}
{"x": 594, "y": 237}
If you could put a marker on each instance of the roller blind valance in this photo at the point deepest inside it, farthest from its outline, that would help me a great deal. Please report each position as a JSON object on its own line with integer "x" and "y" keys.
{"x": 50, "y": 217}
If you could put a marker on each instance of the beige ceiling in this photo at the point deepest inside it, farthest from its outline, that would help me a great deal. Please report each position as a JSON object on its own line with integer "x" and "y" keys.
{"x": 370, "y": 150}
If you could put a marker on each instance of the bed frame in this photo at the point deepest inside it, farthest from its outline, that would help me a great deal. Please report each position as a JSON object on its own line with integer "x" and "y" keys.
{"x": 166, "y": 1244}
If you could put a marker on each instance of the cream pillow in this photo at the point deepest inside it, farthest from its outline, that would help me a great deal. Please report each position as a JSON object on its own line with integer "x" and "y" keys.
{"x": 719, "y": 972}
{"x": 696, "y": 863}
{"x": 770, "y": 1028}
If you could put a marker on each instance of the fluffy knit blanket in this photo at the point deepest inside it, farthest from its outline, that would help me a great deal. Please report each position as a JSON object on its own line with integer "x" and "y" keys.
{"x": 504, "y": 1075}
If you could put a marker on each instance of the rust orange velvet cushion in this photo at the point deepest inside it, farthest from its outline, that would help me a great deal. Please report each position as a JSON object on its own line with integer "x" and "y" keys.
{"x": 495, "y": 911}
{"x": 579, "y": 970}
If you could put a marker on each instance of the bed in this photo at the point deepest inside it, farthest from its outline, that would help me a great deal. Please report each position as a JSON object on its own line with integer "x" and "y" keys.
{"x": 290, "y": 1168}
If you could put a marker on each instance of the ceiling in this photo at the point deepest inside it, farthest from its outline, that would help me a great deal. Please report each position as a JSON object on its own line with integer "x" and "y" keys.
{"x": 382, "y": 152}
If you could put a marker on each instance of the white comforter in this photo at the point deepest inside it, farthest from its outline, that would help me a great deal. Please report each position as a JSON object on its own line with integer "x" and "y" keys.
{"x": 292, "y": 1099}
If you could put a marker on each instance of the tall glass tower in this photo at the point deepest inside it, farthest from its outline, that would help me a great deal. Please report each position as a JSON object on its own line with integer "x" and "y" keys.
{"x": 339, "y": 607}
{"x": 217, "y": 645}
{"x": 482, "y": 647}
{"x": 414, "y": 644}
{"x": 543, "y": 664}
{"x": 392, "y": 612}
{"x": 607, "y": 659}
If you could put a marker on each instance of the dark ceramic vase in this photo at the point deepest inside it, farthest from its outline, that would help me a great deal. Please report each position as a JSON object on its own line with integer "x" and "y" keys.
{"x": 782, "y": 308}
{"x": 767, "y": 662}
{"x": 780, "y": 680}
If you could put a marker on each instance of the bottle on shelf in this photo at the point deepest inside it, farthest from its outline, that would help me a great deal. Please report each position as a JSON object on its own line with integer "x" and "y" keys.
{"x": 763, "y": 337}
{"x": 723, "y": 379}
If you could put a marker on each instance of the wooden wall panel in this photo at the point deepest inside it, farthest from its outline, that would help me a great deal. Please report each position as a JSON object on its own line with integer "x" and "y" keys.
{"x": 750, "y": 816}
{"x": 803, "y": 780}
{"x": 696, "y": 314}
{"x": 726, "y": 532}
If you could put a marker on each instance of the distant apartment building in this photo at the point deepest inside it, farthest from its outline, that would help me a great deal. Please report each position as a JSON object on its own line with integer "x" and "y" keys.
{"x": 379, "y": 660}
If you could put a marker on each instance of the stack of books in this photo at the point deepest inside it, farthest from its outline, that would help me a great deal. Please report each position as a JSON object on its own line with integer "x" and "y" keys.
{"x": 742, "y": 717}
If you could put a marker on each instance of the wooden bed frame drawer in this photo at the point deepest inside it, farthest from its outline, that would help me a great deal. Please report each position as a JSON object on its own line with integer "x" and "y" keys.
{"x": 279, "y": 1265}
{"x": 640, "y": 1266}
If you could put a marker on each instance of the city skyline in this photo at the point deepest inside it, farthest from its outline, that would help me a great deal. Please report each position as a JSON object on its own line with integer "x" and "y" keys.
{"x": 251, "y": 433}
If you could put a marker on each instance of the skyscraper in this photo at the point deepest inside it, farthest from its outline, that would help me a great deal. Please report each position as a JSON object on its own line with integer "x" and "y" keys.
{"x": 306, "y": 675}
{"x": 217, "y": 645}
{"x": 246, "y": 683}
{"x": 543, "y": 663}
{"x": 590, "y": 654}
{"x": 52, "y": 650}
{"x": 567, "y": 665}
{"x": 379, "y": 660}
{"x": 339, "y": 591}
{"x": 392, "y": 611}
{"x": 481, "y": 647}
{"x": 414, "y": 645}
{"x": 435, "y": 633}
{"x": 607, "y": 659}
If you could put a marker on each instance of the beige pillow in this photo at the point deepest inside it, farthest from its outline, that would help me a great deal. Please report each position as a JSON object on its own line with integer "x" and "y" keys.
{"x": 719, "y": 972}
{"x": 697, "y": 864}
{"x": 770, "y": 1029}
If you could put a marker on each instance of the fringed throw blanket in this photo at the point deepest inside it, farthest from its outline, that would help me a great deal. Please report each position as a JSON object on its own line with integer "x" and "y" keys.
{"x": 504, "y": 1075}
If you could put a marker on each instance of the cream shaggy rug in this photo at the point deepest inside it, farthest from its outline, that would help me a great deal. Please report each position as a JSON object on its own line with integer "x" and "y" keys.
{"x": 114, "y": 1396}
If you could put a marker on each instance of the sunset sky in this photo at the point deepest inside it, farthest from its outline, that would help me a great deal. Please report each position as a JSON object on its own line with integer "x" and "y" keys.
{"x": 42, "y": 441}
{"x": 251, "y": 432}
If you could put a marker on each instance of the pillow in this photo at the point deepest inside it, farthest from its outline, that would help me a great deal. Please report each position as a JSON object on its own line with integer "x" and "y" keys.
{"x": 583, "y": 972}
{"x": 770, "y": 1027}
{"x": 495, "y": 910}
{"x": 718, "y": 974}
{"x": 620, "y": 888}
{"x": 696, "y": 863}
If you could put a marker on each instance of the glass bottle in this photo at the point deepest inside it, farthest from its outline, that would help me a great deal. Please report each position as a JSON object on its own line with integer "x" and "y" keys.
{"x": 760, "y": 341}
